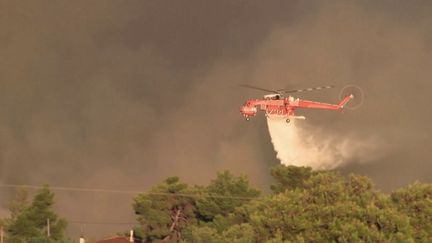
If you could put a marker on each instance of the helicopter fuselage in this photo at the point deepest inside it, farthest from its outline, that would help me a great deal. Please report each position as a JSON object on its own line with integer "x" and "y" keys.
{"x": 276, "y": 106}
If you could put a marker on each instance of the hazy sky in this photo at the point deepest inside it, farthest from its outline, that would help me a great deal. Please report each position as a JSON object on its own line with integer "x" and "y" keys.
{"x": 122, "y": 94}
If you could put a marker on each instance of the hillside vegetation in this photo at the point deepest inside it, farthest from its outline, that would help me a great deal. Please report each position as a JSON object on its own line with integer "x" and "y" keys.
{"x": 303, "y": 206}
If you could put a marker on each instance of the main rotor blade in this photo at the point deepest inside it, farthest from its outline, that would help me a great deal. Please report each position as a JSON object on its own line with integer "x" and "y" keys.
{"x": 258, "y": 88}
{"x": 305, "y": 90}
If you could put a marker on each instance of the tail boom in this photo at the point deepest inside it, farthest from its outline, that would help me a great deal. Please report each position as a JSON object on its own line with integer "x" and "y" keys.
{"x": 324, "y": 106}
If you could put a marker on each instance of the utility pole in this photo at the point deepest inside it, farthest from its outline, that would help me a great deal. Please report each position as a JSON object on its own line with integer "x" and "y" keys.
{"x": 81, "y": 239}
{"x": 48, "y": 228}
{"x": 131, "y": 236}
{"x": 1, "y": 235}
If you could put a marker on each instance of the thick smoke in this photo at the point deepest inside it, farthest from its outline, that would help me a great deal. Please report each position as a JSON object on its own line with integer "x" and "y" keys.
{"x": 299, "y": 145}
{"x": 121, "y": 94}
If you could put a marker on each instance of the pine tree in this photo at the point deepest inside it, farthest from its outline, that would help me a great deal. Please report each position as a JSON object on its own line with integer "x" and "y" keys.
{"x": 229, "y": 192}
{"x": 416, "y": 202}
{"x": 28, "y": 222}
{"x": 164, "y": 216}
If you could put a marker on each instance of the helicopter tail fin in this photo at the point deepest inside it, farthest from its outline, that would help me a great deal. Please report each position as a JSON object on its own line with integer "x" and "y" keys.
{"x": 345, "y": 100}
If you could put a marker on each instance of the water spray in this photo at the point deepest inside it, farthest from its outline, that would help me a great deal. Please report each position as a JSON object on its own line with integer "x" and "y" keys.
{"x": 295, "y": 144}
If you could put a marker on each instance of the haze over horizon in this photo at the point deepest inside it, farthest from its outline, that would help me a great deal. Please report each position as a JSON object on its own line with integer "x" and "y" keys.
{"x": 120, "y": 95}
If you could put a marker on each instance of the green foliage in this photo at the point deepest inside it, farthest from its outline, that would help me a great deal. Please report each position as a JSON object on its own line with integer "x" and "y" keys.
{"x": 230, "y": 192}
{"x": 289, "y": 177}
{"x": 416, "y": 202}
{"x": 168, "y": 215}
{"x": 305, "y": 206}
{"x": 328, "y": 208}
{"x": 156, "y": 212}
{"x": 241, "y": 233}
{"x": 202, "y": 235}
{"x": 19, "y": 202}
{"x": 29, "y": 221}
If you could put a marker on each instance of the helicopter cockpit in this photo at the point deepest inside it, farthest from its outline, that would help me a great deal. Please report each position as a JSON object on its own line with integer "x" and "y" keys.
{"x": 272, "y": 97}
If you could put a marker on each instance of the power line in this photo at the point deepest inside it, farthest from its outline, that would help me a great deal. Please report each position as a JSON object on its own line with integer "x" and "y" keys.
{"x": 77, "y": 189}
{"x": 101, "y": 223}
{"x": 83, "y": 222}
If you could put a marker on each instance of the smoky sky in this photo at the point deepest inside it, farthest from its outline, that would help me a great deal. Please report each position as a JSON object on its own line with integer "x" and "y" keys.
{"x": 122, "y": 94}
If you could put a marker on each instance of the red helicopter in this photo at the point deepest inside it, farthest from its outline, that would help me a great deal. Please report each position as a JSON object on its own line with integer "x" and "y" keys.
{"x": 276, "y": 105}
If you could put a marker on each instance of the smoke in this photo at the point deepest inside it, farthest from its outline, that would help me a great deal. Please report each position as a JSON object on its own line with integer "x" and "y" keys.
{"x": 121, "y": 95}
{"x": 301, "y": 145}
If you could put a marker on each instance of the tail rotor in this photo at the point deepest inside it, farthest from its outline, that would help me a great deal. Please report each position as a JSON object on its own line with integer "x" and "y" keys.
{"x": 355, "y": 91}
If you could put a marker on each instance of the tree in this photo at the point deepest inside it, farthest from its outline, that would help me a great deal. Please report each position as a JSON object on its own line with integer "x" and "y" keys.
{"x": 204, "y": 234}
{"x": 327, "y": 207}
{"x": 165, "y": 210}
{"x": 305, "y": 206}
{"x": 224, "y": 194}
{"x": 172, "y": 208}
{"x": 19, "y": 202}
{"x": 28, "y": 222}
{"x": 240, "y": 233}
{"x": 416, "y": 202}
{"x": 289, "y": 177}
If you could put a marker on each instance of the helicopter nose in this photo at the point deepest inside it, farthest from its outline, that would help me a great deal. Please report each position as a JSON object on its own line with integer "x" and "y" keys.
{"x": 248, "y": 111}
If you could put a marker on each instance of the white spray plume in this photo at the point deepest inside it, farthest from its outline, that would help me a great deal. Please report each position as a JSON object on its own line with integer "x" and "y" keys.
{"x": 303, "y": 147}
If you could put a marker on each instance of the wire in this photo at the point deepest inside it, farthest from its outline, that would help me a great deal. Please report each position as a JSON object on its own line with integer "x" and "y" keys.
{"x": 101, "y": 223}
{"x": 77, "y": 189}
{"x": 59, "y": 188}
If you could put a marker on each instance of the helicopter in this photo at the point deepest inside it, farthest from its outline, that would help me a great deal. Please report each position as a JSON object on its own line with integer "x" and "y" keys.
{"x": 276, "y": 105}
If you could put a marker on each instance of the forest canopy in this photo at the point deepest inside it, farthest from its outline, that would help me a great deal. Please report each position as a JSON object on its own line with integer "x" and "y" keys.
{"x": 303, "y": 206}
